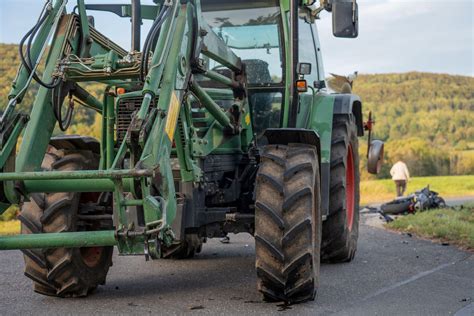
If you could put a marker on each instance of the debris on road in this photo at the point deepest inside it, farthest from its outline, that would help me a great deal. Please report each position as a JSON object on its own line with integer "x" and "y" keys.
{"x": 196, "y": 307}
{"x": 225, "y": 240}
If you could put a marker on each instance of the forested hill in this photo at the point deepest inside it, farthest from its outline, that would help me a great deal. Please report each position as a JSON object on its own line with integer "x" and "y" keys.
{"x": 435, "y": 107}
{"x": 426, "y": 119}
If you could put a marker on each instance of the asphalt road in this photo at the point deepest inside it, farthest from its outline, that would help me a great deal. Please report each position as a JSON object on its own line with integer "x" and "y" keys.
{"x": 392, "y": 274}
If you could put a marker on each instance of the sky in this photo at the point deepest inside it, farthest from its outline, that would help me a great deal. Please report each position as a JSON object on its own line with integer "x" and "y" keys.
{"x": 394, "y": 35}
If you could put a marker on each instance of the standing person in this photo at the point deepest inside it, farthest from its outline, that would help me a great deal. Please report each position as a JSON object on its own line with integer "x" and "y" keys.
{"x": 400, "y": 175}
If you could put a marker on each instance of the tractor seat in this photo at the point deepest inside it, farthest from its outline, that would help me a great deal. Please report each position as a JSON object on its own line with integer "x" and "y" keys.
{"x": 257, "y": 71}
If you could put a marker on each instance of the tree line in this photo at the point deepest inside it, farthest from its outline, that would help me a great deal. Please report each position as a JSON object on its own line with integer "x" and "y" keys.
{"x": 425, "y": 119}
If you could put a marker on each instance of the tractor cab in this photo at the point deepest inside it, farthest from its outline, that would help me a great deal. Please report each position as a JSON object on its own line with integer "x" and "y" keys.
{"x": 255, "y": 33}
{"x": 278, "y": 43}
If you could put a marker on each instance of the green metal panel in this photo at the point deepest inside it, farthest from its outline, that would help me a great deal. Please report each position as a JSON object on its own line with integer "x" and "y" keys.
{"x": 321, "y": 121}
{"x": 306, "y": 101}
{"x": 285, "y": 8}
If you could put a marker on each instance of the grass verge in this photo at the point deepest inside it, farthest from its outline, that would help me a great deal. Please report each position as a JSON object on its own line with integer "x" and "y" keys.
{"x": 372, "y": 191}
{"x": 10, "y": 228}
{"x": 455, "y": 226}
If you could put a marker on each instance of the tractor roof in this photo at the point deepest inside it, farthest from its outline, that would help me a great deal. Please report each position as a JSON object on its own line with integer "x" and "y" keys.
{"x": 219, "y": 5}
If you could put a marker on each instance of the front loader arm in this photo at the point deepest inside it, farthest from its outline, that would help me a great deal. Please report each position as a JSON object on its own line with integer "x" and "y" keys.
{"x": 170, "y": 78}
{"x": 170, "y": 85}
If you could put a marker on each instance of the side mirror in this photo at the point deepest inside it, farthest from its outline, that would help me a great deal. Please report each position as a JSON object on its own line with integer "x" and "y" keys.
{"x": 345, "y": 18}
{"x": 320, "y": 84}
{"x": 375, "y": 156}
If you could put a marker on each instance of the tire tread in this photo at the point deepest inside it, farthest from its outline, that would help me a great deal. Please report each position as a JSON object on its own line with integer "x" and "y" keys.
{"x": 285, "y": 256}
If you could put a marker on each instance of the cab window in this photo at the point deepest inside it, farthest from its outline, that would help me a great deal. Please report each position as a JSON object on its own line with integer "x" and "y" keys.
{"x": 306, "y": 50}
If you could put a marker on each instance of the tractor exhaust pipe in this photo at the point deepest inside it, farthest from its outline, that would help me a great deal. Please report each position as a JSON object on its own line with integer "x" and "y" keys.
{"x": 136, "y": 24}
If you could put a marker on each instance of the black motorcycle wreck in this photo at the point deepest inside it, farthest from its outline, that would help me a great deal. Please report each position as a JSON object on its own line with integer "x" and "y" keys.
{"x": 421, "y": 200}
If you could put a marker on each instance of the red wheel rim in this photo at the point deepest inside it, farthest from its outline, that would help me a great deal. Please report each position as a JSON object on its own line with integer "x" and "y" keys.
{"x": 350, "y": 188}
{"x": 91, "y": 255}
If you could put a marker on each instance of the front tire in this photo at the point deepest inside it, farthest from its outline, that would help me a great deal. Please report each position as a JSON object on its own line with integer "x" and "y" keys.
{"x": 288, "y": 223}
{"x": 63, "y": 272}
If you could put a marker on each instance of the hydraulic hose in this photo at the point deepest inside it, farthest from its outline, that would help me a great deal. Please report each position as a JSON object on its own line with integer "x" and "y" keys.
{"x": 57, "y": 102}
{"x": 164, "y": 12}
{"x": 55, "y": 82}
{"x": 28, "y": 63}
{"x": 146, "y": 47}
{"x": 145, "y": 51}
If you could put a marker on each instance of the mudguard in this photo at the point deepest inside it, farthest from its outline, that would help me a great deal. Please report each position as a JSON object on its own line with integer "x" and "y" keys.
{"x": 285, "y": 136}
{"x": 350, "y": 103}
{"x": 76, "y": 142}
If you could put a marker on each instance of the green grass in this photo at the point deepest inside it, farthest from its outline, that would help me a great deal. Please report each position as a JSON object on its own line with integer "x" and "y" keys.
{"x": 10, "y": 228}
{"x": 384, "y": 190}
{"x": 453, "y": 226}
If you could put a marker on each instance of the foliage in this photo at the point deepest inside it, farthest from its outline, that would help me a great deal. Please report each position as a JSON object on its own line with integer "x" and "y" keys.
{"x": 451, "y": 225}
{"x": 85, "y": 121}
{"x": 9, "y": 214}
{"x": 435, "y": 107}
{"x": 10, "y": 228}
{"x": 425, "y": 120}
{"x": 447, "y": 186}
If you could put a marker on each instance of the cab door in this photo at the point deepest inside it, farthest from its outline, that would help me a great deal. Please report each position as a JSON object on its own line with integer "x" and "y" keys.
{"x": 307, "y": 54}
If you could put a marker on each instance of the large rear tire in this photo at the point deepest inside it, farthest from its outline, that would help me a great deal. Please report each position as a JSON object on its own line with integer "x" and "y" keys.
{"x": 64, "y": 272}
{"x": 341, "y": 229}
{"x": 288, "y": 223}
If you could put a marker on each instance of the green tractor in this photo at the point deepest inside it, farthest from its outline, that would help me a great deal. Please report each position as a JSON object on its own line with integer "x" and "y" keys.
{"x": 219, "y": 123}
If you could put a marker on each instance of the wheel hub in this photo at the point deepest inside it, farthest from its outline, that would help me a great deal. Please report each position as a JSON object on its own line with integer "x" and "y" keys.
{"x": 91, "y": 255}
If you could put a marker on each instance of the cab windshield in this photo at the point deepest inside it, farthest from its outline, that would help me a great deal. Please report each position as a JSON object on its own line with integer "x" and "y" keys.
{"x": 254, "y": 34}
